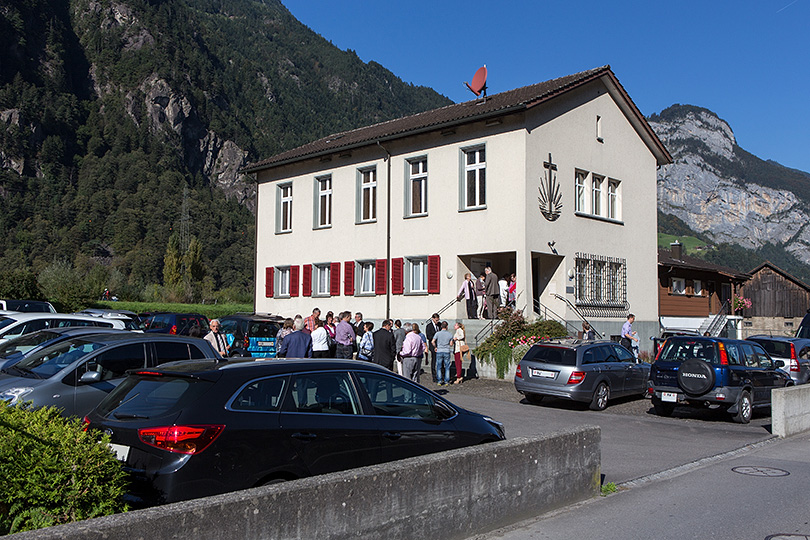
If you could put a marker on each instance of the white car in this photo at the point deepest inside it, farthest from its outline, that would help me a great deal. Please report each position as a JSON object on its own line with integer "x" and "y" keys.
{"x": 16, "y": 324}
{"x": 27, "y": 306}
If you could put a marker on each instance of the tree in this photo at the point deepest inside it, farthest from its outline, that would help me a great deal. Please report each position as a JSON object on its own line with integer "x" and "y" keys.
{"x": 195, "y": 269}
{"x": 173, "y": 262}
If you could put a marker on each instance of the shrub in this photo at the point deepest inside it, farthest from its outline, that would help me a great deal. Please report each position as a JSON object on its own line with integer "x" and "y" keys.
{"x": 53, "y": 472}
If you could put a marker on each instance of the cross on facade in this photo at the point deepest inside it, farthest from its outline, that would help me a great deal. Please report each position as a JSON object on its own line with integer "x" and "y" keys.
{"x": 549, "y": 165}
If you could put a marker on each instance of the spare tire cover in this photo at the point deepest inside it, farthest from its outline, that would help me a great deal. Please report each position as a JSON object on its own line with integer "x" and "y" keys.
{"x": 696, "y": 377}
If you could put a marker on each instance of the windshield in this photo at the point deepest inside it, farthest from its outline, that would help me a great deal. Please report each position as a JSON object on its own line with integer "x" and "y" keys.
{"x": 53, "y": 359}
{"x": 680, "y": 350}
{"x": 25, "y": 343}
{"x": 5, "y": 321}
{"x": 804, "y": 332}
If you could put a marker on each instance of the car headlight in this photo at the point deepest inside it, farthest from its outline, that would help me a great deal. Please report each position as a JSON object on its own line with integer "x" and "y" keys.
{"x": 15, "y": 395}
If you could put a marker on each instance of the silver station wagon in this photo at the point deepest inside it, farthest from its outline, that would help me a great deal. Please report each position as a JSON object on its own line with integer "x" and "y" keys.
{"x": 589, "y": 371}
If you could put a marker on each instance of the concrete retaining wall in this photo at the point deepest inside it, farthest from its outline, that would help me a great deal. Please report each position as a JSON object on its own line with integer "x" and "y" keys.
{"x": 790, "y": 410}
{"x": 447, "y": 495}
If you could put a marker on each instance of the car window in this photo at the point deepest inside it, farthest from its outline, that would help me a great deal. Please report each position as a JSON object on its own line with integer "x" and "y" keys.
{"x": 749, "y": 358}
{"x": 623, "y": 354}
{"x": 52, "y": 359}
{"x": 735, "y": 357}
{"x": 594, "y": 355}
{"x": 6, "y": 321}
{"x": 168, "y": 351}
{"x": 324, "y": 393}
{"x": 560, "y": 356}
{"x": 680, "y": 350}
{"x": 263, "y": 329}
{"x": 763, "y": 359}
{"x": 157, "y": 322}
{"x": 228, "y": 326}
{"x": 261, "y": 395}
{"x": 393, "y": 397}
{"x": 114, "y": 363}
{"x": 774, "y": 348}
{"x": 137, "y": 397}
{"x": 25, "y": 343}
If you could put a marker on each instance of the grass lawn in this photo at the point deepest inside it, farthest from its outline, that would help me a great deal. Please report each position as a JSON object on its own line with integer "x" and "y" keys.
{"x": 212, "y": 311}
{"x": 689, "y": 242}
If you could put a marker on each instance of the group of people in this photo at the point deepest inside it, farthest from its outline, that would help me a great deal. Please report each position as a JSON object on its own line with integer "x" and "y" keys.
{"x": 395, "y": 346}
{"x": 486, "y": 294}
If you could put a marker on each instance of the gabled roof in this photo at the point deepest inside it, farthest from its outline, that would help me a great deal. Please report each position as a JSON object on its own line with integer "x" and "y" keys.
{"x": 460, "y": 113}
{"x": 781, "y": 272}
{"x": 686, "y": 262}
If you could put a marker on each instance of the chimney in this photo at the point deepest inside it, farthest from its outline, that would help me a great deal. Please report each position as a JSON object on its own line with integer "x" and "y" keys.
{"x": 677, "y": 250}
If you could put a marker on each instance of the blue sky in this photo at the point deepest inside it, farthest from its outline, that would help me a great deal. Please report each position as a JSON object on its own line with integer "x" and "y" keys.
{"x": 748, "y": 61}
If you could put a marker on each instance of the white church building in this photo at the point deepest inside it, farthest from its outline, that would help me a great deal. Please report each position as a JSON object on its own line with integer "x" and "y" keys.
{"x": 555, "y": 182}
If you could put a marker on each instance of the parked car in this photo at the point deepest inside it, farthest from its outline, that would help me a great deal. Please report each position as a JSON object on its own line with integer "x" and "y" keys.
{"x": 77, "y": 373}
{"x": 588, "y": 371}
{"x": 181, "y": 324}
{"x": 730, "y": 374}
{"x": 130, "y": 318}
{"x": 14, "y": 350}
{"x": 27, "y": 306}
{"x": 794, "y": 352}
{"x": 804, "y": 327}
{"x": 198, "y": 428}
{"x": 251, "y": 334}
{"x": 17, "y": 324}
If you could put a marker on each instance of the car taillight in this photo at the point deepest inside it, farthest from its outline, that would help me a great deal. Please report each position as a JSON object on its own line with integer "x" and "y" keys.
{"x": 247, "y": 341}
{"x": 518, "y": 372}
{"x": 181, "y": 439}
{"x": 723, "y": 354}
{"x": 794, "y": 360}
{"x": 576, "y": 377}
{"x": 85, "y": 423}
{"x": 173, "y": 329}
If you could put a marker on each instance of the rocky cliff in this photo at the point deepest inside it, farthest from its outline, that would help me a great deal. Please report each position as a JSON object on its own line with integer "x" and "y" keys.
{"x": 724, "y": 192}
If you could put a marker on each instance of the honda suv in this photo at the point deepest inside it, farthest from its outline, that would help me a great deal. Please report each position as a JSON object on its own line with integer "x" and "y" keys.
{"x": 730, "y": 374}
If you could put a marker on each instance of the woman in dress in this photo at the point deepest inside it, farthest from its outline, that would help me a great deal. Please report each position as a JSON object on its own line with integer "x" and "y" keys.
{"x": 459, "y": 339}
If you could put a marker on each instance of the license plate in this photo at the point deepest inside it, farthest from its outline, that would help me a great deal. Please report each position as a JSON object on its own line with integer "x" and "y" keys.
{"x": 669, "y": 396}
{"x": 121, "y": 452}
{"x": 265, "y": 343}
{"x": 543, "y": 373}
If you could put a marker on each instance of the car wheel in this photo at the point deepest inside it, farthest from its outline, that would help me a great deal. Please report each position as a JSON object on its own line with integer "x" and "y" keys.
{"x": 661, "y": 408}
{"x": 600, "y": 397}
{"x": 744, "y": 408}
{"x": 534, "y": 399}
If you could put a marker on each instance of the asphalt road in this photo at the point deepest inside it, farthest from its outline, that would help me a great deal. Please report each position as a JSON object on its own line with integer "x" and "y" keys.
{"x": 695, "y": 475}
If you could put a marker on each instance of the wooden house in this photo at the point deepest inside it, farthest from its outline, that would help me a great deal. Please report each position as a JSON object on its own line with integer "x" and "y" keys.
{"x": 778, "y": 301}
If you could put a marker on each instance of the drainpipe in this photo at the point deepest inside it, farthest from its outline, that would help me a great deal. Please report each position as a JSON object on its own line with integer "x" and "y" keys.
{"x": 387, "y": 159}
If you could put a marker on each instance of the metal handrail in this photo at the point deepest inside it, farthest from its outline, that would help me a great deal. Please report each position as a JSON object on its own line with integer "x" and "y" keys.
{"x": 447, "y": 306}
{"x": 719, "y": 319}
{"x": 538, "y": 306}
{"x": 579, "y": 314}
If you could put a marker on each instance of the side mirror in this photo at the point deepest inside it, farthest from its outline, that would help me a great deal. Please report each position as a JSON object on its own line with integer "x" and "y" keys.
{"x": 90, "y": 377}
{"x": 779, "y": 363}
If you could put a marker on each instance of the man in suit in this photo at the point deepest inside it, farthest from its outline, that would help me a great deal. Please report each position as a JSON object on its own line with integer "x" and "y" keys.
{"x": 430, "y": 330}
{"x": 298, "y": 344}
{"x": 384, "y": 346}
{"x": 492, "y": 293}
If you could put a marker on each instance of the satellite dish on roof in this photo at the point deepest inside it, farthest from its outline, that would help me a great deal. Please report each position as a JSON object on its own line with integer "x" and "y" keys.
{"x": 479, "y": 82}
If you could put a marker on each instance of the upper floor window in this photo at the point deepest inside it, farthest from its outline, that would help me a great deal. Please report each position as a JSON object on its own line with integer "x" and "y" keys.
{"x": 579, "y": 191}
{"x": 697, "y": 287}
{"x": 416, "y": 196}
{"x": 613, "y": 199}
{"x": 284, "y": 208}
{"x": 475, "y": 178}
{"x": 596, "y": 195}
{"x": 678, "y": 286}
{"x": 368, "y": 195}
{"x": 323, "y": 202}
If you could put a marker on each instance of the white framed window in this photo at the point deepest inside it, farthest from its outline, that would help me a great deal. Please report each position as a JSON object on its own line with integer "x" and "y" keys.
{"x": 697, "y": 287}
{"x": 282, "y": 279}
{"x": 321, "y": 279}
{"x": 416, "y": 269}
{"x": 596, "y": 195}
{"x": 368, "y": 195}
{"x": 613, "y": 199}
{"x": 323, "y": 202}
{"x": 416, "y": 197}
{"x": 284, "y": 200}
{"x": 678, "y": 286}
{"x": 599, "y": 129}
{"x": 579, "y": 191}
{"x": 365, "y": 277}
{"x": 475, "y": 178}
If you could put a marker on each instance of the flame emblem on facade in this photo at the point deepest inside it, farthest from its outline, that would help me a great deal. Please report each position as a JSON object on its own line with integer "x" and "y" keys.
{"x": 550, "y": 194}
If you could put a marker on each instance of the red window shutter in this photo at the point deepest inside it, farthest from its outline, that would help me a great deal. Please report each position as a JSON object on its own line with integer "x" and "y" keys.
{"x": 294, "y": 271}
{"x": 397, "y": 269}
{"x": 334, "y": 279}
{"x": 381, "y": 277}
{"x": 434, "y": 269}
{"x": 348, "y": 279}
{"x": 306, "y": 283}
{"x": 268, "y": 282}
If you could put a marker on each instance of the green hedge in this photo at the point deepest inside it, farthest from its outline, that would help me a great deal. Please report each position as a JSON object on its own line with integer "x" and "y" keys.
{"x": 212, "y": 311}
{"x": 53, "y": 472}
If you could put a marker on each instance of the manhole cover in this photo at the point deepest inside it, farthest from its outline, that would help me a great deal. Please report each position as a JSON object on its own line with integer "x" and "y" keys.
{"x": 760, "y": 471}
